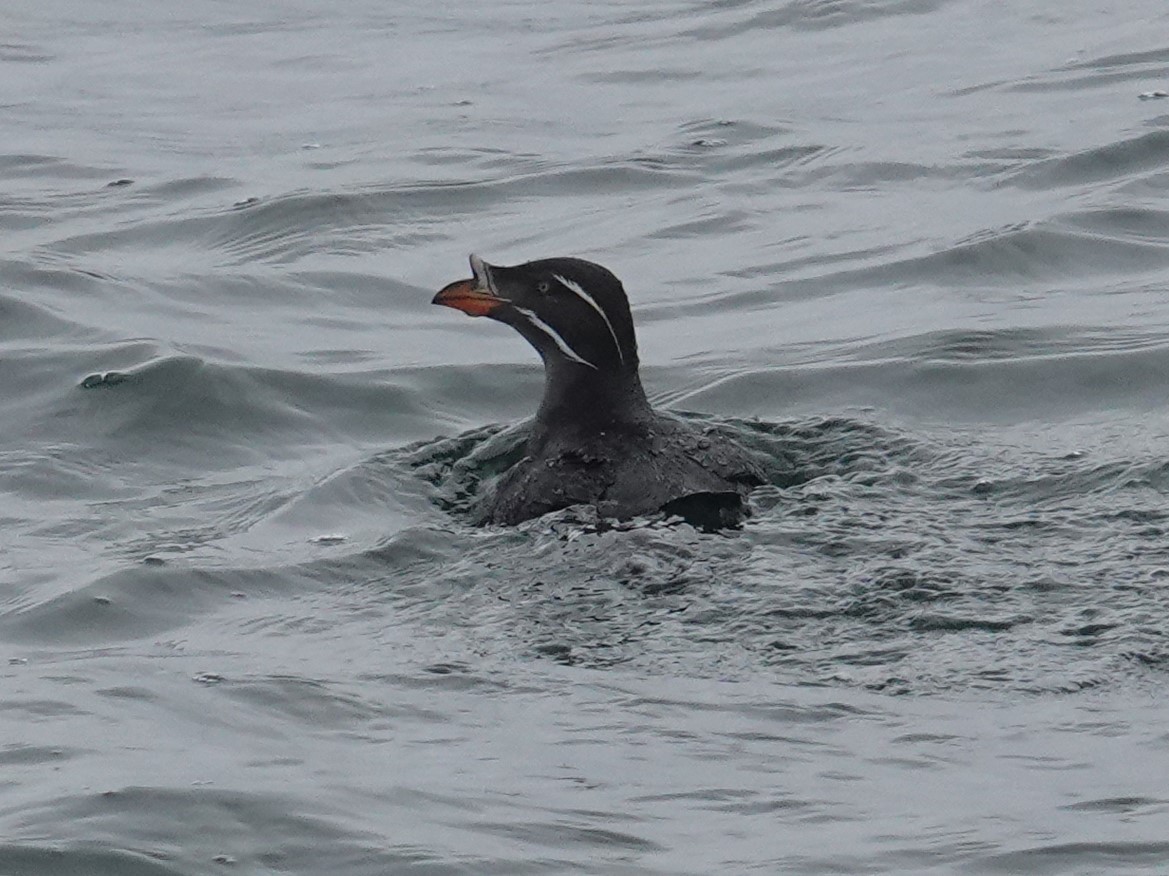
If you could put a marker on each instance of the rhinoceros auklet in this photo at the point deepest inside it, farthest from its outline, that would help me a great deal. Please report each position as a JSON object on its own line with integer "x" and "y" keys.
{"x": 595, "y": 439}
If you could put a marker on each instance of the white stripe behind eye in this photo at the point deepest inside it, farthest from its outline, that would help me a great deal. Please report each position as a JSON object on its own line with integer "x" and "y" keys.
{"x": 555, "y": 336}
{"x": 576, "y": 289}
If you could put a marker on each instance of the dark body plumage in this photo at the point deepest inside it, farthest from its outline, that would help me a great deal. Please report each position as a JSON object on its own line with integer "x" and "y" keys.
{"x": 595, "y": 439}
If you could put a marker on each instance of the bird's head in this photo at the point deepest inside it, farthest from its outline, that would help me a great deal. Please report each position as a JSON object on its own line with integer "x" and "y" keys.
{"x": 574, "y": 312}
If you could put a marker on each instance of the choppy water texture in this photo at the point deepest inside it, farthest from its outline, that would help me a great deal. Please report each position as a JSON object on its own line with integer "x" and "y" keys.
{"x": 916, "y": 254}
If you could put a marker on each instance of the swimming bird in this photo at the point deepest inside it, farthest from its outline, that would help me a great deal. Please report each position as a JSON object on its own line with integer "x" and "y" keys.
{"x": 595, "y": 439}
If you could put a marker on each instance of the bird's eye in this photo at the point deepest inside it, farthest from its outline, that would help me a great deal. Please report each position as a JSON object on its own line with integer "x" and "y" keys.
{"x": 543, "y": 287}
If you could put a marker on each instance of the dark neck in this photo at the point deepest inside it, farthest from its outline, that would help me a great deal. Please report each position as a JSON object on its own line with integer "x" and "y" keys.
{"x": 580, "y": 403}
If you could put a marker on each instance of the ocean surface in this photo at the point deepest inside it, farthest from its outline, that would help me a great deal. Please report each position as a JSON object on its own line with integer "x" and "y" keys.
{"x": 914, "y": 253}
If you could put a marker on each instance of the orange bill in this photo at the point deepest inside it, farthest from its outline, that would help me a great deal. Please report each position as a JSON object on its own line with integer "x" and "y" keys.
{"x": 465, "y": 295}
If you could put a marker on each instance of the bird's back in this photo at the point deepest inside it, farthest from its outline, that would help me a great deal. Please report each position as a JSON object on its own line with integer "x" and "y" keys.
{"x": 623, "y": 474}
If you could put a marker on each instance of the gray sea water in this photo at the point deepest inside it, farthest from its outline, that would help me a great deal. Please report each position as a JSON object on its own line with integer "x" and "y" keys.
{"x": 913, "y": 252}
